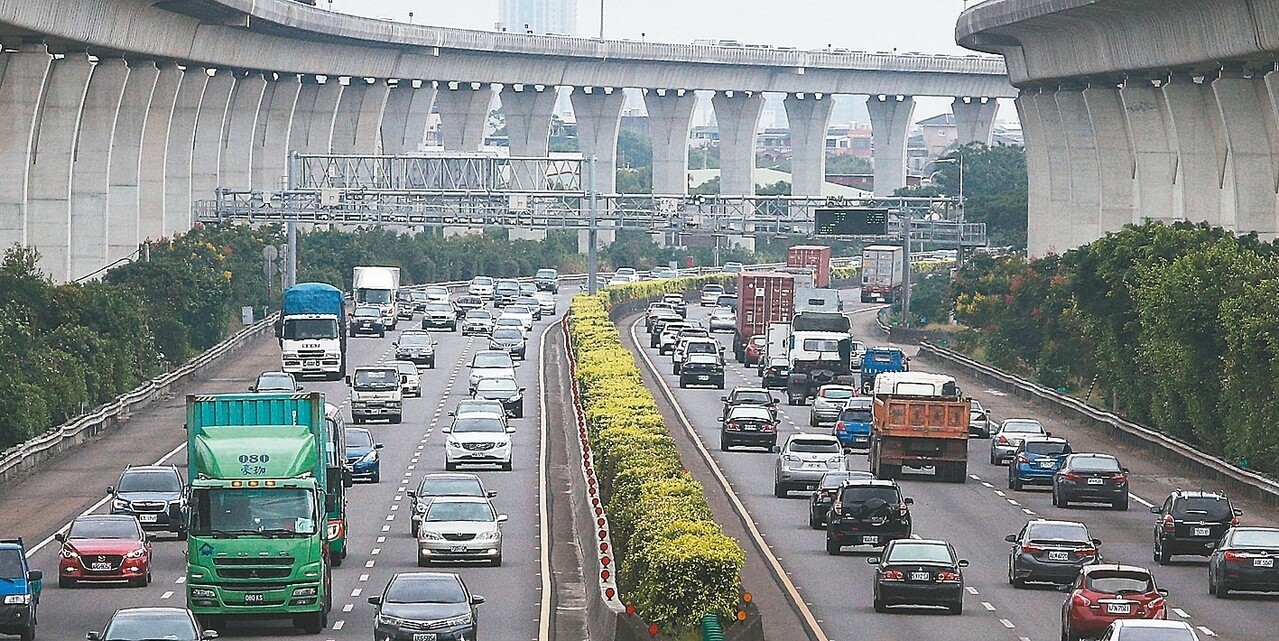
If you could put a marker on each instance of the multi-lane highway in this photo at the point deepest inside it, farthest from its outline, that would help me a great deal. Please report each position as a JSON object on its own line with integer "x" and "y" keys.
{"x": 379, "y": 540}
{"x": 974, "y": 517}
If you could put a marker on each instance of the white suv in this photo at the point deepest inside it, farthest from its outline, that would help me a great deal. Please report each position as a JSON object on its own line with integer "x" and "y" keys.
{"x": 477, "y": 440}
{"x": 490, "y": 364}
{"x": 481, "y": 286}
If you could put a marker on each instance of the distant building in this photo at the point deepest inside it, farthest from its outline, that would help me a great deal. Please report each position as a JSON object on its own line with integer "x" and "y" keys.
{"x": 939, "y": 133}
{"x": 849, "y": 140}
{"x": 538, "y": 16}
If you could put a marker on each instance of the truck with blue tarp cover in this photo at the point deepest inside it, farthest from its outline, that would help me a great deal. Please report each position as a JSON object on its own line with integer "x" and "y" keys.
{"x": 19, "y": 591}
{"x": 258, "y": 476}
{"x": 312, "y": 331}
{"x": 880, "y": 360}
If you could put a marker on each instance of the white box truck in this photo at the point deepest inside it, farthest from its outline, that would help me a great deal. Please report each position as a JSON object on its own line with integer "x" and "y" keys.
{"x": 378, "y": 286}
{"x": 882, "y": 273}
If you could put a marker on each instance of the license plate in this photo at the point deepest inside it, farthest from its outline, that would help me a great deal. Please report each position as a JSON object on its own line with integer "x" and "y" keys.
{"x": 871, "y": 539}
{"x": 423, "y": 636}
{"x": 1118, "y": 608}
{"x": 1202, "y": 531}
{"x": 458, "y": 548}
{"x": 919, "y": 576}
{"x": 312, "y": 363}
{"x": 108, "y": 566}
{"x": 1096, "y": 481}
{"x": 703, "y": 377}
{"x": 1263, "y": 563}
{"x": 1046, "y": 463}
{"x": 253, "y": 597}
{"x": 148, "y": 518}
{"x": 1058, "y": 556}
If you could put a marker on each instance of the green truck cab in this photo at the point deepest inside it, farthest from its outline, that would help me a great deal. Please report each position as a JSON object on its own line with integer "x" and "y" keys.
{"x": 257, "y": 514}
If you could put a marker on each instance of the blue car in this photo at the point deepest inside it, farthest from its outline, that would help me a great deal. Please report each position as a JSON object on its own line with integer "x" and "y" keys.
{"x": 362, "y": 455}
{"x": 852, "y": 427}
{"x": 1036, "y": 461}
{"x": 19, "y": 591}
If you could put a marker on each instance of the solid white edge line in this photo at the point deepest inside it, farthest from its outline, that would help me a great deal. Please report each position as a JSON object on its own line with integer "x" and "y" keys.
{"x": 544, "y": 620}
{"x": 762, "y": 545}
{"x": 1140, "y": 500}
{"x": 93, "y": 508}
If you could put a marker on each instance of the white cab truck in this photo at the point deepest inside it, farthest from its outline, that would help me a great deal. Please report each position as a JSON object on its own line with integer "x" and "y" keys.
{"x": 312, "y": 331}
{"x": 376, "y": 394}
{"x": 819, "y": 349}
{"x": 378, "y": 286}
{"x": 882, "y": 267}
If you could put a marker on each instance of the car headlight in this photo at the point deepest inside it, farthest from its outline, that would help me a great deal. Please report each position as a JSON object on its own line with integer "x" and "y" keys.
{"x": 515, "y": 399}
{"x": 68, "y": 553}
{"x": 386, "y": 619}
{"x": 203, "y": 593}
{"x": 368, "y": 458}
{"x": 452, "y": 443}
{"x": 455, "y": 622}
{"x": 429, "y": 535}
{"x": 307, "y": 591}
{"x": 17, "y": 599}
{"x": 491, "y": 535}
{"x": 136, "y": 554}
{"x": 119, "y": 504}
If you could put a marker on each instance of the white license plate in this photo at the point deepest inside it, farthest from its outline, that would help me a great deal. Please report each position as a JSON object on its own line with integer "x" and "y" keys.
{"x": 458, "y": 548}
{"x": 148, "y": 518}
{"x": 424, "y": 636}
{"x": 312, "y": 363}
{"x": 108, "y": 566}
{"x": 1118, "y": 608}
{"x": 1096, "y": 481}
{"x": 1202, "y": 531}
{"x": 1046, "y": 463}
{"x": 253, "y": 597}
{"x": 1058, "y": 556}
{"x": 871, "y": 539}
{"x": 703, "y": 377}
{"x": 919, "y": 576}
{"x": 1263, "y": 563}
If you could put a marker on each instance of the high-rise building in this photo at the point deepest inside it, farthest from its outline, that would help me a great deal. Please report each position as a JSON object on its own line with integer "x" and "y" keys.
{"x": 538, "y": 16}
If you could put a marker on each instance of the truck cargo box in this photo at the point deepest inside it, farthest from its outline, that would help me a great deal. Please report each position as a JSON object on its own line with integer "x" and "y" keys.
{"x": 815, "y": 257}
{"x": 762, "y": 298}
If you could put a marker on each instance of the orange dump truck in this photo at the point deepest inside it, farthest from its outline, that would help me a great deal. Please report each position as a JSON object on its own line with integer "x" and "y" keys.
{"x": 919, "y": 420}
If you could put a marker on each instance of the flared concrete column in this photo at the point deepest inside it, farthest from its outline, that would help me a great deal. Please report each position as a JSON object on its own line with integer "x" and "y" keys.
{"x": 236, "y": 163}
{"x": 670, "y": 115}
{"x": 153, "y": 166}
{"x": 808, "y": 115}
{"x": 464, "y": 112}
{"x": 206, "y": 162}
{"x": 528, "y": 110}
{"x": 737, "y": 114}
{"x": 1154, "y": 152}
{"x": 974, "y": 119}
{"x": 1248, "y": 114}
{"x": 1083, "y": 171}
{"x": 357, "y": 128}
{"x": 275, "y": 124}
{"x": 123, "y": 208}
{"x": 890, "y": 120}
{"x": 1058, "y": 225}
{"x": 22, "y": 89}
{"x": 178, "y": 159}
{"x": 313, "y": 117}
{"x": 408, "y": 109}
{"x": 49, "y": 182}
{"x": 1039, "y": 221}
{"x": 1114, "y": 156}
{"x": 1201, "y": 150}
{"x": 91, "y": 167}
{"x": 599, "y": 117}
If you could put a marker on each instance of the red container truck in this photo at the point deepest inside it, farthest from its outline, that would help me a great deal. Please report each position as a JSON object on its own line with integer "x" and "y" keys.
{"x": 762, "y": 298}
{"x": 815, "y": 257}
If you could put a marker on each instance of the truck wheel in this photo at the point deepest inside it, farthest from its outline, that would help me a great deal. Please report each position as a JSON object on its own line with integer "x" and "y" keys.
{"x": 832, "y": 546}
{"x": 336, "y": 559}
{"x": 27, "y": 634}
{"x": 395, "y": 420}
{"x": 312, "y": 623}
{"x": 779, "y": 490}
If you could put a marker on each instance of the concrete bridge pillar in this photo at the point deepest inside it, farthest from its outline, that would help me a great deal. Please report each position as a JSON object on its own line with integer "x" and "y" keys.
{"x": 1248, "y": 112}
{"x": 974, "y": 119}
{"x": 464, "y": 112}
{"x": 154, "y": 161}
{"x": 670, "y": 115}
{"x": 22, "y": 88}
{"x": 408, "y": 108}
{"x": 178, "y": 160}
{"x": 1082, "y": 170}
{"x": 1039, "y": 221}
{"x": 123, "y": 175}
{"x": 1058, "y": 227}
{"x": 238, "y": 144}
{"x": 49, "y": 181}
{"x": 737, "y": 114}
{"x": 890, "y": 120}
{"x": 599, "y": 116}
{"x": 272, "y": 138}
{"x": 91, "y": 165}
{"x": 808, "y": 116}
{"x": 357, "y": 128}
{"x": 1201, "y": 149}
{"x": 528, "y": 110}
{"x": 1114, "y": 156}
{"x": 210, "y": 127}
{"x": 312, "y": 128}
{"x": 1154, "y": 151}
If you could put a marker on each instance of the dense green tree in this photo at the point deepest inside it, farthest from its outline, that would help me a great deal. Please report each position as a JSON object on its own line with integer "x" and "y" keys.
{"x": 843, "y": 165}
{"x": 994, "y": 189}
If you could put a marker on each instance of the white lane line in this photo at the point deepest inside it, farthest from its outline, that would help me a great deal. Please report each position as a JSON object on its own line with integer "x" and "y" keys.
{"x": 386, "y": 528}
{"x": 1143, "y": 502}
{"x": 337, "y": 625}
{"x": 974, "y": 477}
{"x": 167, "y": 594}
{"x": 543, "y": 513}
{"x": 394, "y": 508}
{"x": 357, "y": 591}
{"x": 988, "y": 606}
{"x": 1023, "y": 638}
{"x": 916, "y": 537}
{"x": 1028, "y": 511}
{"x": 1206, "y": 631}
{"x": 1007, "y": 624}
{"x": 390, "y": 517}
{"x": 1181, "y": 613}
{"x": 988, "y": 485}
{"x": 1000, "y": 493}
{"x": 348, "y": 607}
{"x": 363, "y": 578}
{"x": 369, "y": 563}
{"x": 381, "y": 539}
{"x": 181, "y": 579}
{"x": 377, "y": 551}
{"x": 971, "y": 589}
{"x": 1012, "y": 502}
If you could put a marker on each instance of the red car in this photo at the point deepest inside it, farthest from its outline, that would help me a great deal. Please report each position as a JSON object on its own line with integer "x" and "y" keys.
{"x": 1105, "y": 593}
{"x": 103, "y": 547}
{"x": 755, "y": 349}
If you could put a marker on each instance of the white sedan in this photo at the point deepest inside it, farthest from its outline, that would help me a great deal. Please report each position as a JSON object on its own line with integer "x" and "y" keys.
{"x": 723, "y": 319}
{"x": 521, "y": 312}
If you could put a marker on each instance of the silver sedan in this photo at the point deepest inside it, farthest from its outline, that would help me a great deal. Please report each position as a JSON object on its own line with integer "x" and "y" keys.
{"x": 460, "y": 528}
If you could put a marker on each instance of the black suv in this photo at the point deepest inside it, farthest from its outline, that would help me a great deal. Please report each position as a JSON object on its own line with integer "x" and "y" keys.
{"x": 819, "y": 503}
{"x": 146, "y": 492}
{"x": 1191, "y": 523}
{"x": 869, "y": 512}
{"x": 702, "y": 369}
{"x": 750, "y": 396}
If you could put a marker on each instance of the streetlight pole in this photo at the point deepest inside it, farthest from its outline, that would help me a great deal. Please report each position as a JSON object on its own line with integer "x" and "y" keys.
{"x": 958, "y": 159}
{"x": 601, "y": 19}
{"x": 592, "y": 232}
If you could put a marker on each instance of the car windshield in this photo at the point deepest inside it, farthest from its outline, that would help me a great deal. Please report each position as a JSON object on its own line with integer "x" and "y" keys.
{"x": 456, "y": 511}
{"x": 510, "y": 321}
{"x": 301, "y": 329}
{"x": 1023, "y": 427}
{"x": 252, "y": 510}
{"x": 835, "y": 479}
{"x": 418, "y": 296}
{"x": 504, "y": 385}
{"x": 436, "y": 291}
{"x": 860, "y": 494}
{"x": 759, "y": 341}
{"x": 1047, "y": 532}
{"x": 778, "y": 361}
{"x": 702, "y": 348}
{"x": 415, "y": 340}
{"x": 545, "y": 273}
{"x": 149, "y": 481}
{"x": 470, "y": 300}
{"x": 104, "y": 529}
{"x": 358, "y": 439}
{"x": 439, "y": 308}
{"x": 713, "y": 289}
{"x": 855, "y": 414}
{"x": 1094, "y": 464}
{"x": 450, "y": 487}
{"x": 919, "y": 553}
{"x": 815, "y": 446}
{"x": 508, "y": 285}
{"x": 492, "y": 359}
{"x": 1119, "y": 582}
{"x": 373, "y": 296}
{"x": 151, "y": 625}
{"x": 1155, "y": 634}
{"x": 751, "y": 413}
{"x": 481, "y": 407}
{"x": 1255, "y": 539}
{"x": 368, "y": 312}
{"x": 508, "y": 334}
{"x": 406, "y": 368}
{"x": 10, "y": 564}
{"x": 1047, "y": 448}
{"x": 882, "y": 357}
{"x": 837, "y": 393}
{"x": 752, "y": 396}
{"x": 478, "y": 424}
{"x": 820, "y": 345}
{"x": 377, "y": 378}
{"x": 424, "y": 588}
{"x": 479, "y": 313}
{"x": 481, "y": 280}
{"x": 1208, "y": 508}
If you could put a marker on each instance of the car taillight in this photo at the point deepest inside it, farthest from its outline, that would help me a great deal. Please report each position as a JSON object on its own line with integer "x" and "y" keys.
{"x": 1086, "y": 551}
{"x": 1233, "y": 556}
{"x": 1118, "y": 478}
{"x": 1079, "y": 599}
{"x": 903, "y": 510}
{"x": 1234, "y": 520}
{"x": 1002, "y": 440}
{"x": 1170, "y": 525}
{"x": 1071, "y": 476}
{"x": 1022, "y": 458}
{"x": 836, "y": 507}
{"x": 732, "y": 427}
{"x": 768, "y": 427}
{"x": 839, "y": 426}
{"x": 1156, "y": 603}
{"x": 947, "y": 576}
{"x": 891, "y": 575}
{"x": 1031, "y": 549}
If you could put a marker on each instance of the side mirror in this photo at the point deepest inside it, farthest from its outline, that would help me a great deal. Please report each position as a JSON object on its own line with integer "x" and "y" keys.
{"x": 1047, "y": 433}
{"x": 35, "y": 575}
{"x": 510, "y": 430}
{"x": 874, "y": 560}
{"x": 501, "y": 518}
{"x": 60, "y": 537}
{"x": 1096, "y": 542}
{"x": 149, "y": 536}
{"x": 1212, "y": 545}
{"x": 1124, "y": 469}
{"x": 251, "y": 388}
{"x": 93, "y": 636}
{"x": 522, "y": 389}
{"x": 476, "y": 599}
{"x": 446, "y": 430}
{"x": 378, "y": 446}
{"x": 208, "y": 635}
{"x": 1162, "y": 592}
{"x": 719, "y": 419}
{"x": 963, "y": 563}
{"x": 723, "y": 399}
{"x": 1011, "y": 538}
{"x": 1237, "y": 512}
{"x": 1155, "y": 509}
{"x": 775, "y": 401}
{"x": 452, "y": 413}
{"x": 908, "y": 501}
{"x": 395, "y": 343}
{"x": 775, "y": 449}
{"x": 472, "y": 393}
{"x": 375, "y": 600}
{"x": 110, "y": 489}
{"x": 491, "y": 493}
{"x": 1064, "y": 587}
{"x": 348, "y": 381}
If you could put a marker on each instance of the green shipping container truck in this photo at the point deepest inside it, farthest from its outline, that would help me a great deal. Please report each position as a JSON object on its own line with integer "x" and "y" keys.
{"x": 257, "y": 545}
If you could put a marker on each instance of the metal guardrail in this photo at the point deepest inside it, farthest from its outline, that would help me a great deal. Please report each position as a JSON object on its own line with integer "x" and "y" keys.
{"x": 26, "y": 456}
{"x": 1248, "y": 481}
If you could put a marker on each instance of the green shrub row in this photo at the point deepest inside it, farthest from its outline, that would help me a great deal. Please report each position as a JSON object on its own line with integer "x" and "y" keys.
{"x": 674, "y": 562}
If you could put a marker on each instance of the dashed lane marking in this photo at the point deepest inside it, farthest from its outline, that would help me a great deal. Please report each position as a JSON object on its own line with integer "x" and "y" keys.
{"x": 181, "y": 579}
{"x": 1007, "y": 624}
{"x": 167, "y": 594}
{"x": 988, "y": 606}
{"x": 337, "y": 625}
{"x": 348, "y": 607}
{"x": 1028, "y": 511}
{"x": 1206, "y": 631}
{"x": 1181, "y": 613}
{"x": 1143, "y": 502}
{"x": 363, "y": 578}
{"x": 357, "y": 591}
{"x": 369, "y": 563}
{"x": 971, "y": 589}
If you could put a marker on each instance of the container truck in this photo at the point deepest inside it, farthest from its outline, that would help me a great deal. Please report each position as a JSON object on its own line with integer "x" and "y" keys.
{"x": 882, "y": 273}
{"x": 919, "y": 420}
{"x": 312, "y": 331}
{"x": 819, "y": 348}
{"x": 814, "y": 257}
{"x": 812, "y": 299}
{"x": 378, "y": 286}
{"x": 258, "y": 473}
{"x": 762, "y": 298}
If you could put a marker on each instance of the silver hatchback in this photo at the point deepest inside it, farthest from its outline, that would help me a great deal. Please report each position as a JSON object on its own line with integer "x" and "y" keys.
{"x": 827, "y": 404}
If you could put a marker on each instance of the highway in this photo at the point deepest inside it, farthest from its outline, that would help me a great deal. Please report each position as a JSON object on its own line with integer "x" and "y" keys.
{"x": 973, "y": 516}
{"x": 379, "y": 541}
